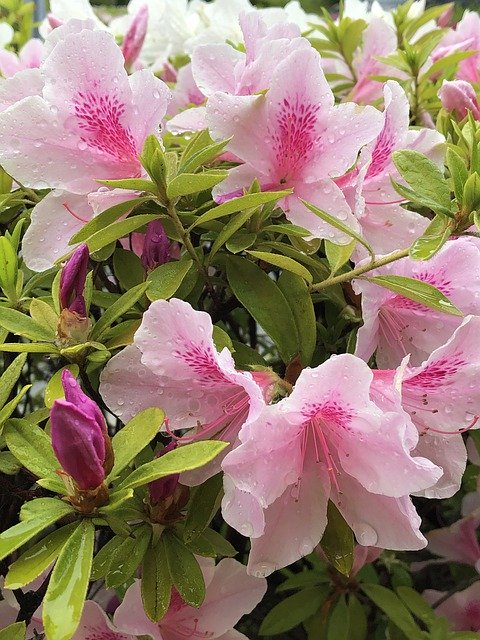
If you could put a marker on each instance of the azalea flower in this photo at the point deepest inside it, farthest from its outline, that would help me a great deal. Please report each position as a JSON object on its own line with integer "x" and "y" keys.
{"x": 462, "y": 609}
{"x": 441, "y": 398}
{"x": 230, "y": 593}
{"x": 173, "y": 364}
{"x": 394, "y": 326}
{"x": 465, "y": 37}
{"x": 29, "y": 57}
{"x": 458, "y": 542}
{"x": 294, "y": 137}
{"x": 89, "y": 125}
{"x": 385, "y": 224}
{"x": 134, "y": 38}
{"x": 460, "y": 97}
{"x": 326, "y": 441}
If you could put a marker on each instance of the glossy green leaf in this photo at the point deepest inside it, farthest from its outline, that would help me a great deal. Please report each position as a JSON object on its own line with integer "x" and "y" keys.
{"x": 418, "y": 291}
{"x": 339, "y": 621}
{"x": 235, "y": 223}
{"x": 285, "y": 263}
{"x": 164, "y": 281}
{"x": 10, "y": 376}
{"x": 38, "y": 558}
{"x": 458, "y": 173}
{"x": 417, "y": 604}
{"x": 299, "y": 299}
{"x": 394, "y": 609}
{"x": 10, "y": 407}
{"x": 211, "y": 544}
{"x": 204, "y": 504}
{"x": 432, "y": 240}
{"x": 32, "y": 447}
{"x": 54, "y": 389}
{"x": 264, "y": 300}
{"x": 128, "y": 269}
{"x": 184, "y": 570}
{"x": 9, "y": 465}
{"x": 67, "y": 589}
{"x": 133, "y": 184}
{"x": 115, "y": 311}
{"x": 22, "y": 325}
{"x": 338, "y": 254}
{"x": 29, "y": 347}
{"x": 337, "y": 541}
{"x": 117, "y": 230}
{"x": 190, "y": 456}
{"x": 292, "y": 611}
{"x": 186, "y": 183}
{"x": 135, "y": 435}
{"x": 102, "y": 560}
{"x": 127, "y": 557}
{"x": 358, "y": 619}
{"x": 239, "y": 204}
{"x": 156, "y": 583}
{"x": 15, "y": 631}
{"x": 45, "y": 316}
{"x": 198, "y": 155}
{"x": 8, "y": 268}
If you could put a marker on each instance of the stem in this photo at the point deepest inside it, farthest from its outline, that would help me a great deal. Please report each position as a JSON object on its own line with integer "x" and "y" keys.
{"x": 373, "y": 264}
{"x": 172, "y": 212}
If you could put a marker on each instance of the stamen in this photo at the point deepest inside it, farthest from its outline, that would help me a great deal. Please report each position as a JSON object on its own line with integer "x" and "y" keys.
{"x": 71, "y": 212}
{"x": 450, "y": 433}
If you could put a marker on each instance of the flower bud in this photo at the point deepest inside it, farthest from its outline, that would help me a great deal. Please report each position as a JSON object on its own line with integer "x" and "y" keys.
{"x": 79, "y": 436}
{"x": 53, "y": 21}
{"x": 72, "y": 281}
{"x": 135, "y": 36}
{"x": 460, "y": 97}
{"x": 157, "y": 248}
{"x": 163, "y": 487}
{"x": 167, "y": 496}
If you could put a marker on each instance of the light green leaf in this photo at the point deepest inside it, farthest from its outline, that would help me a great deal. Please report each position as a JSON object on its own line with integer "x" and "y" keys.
{"x": 32, "y": 447}
{"x": 29, "y": 347}
{"x": 54, "y": 389}
{"x": 184, "y": 570}
{"x": 165, "y": 280}
{"x": 204, "y": 504}
{"x": 22, "y": 325}
{"x": 338, "y": 254}
{"x": 156, "y": 582}
{"x": 394, "y": 609}
{"x": 115, "y": 311}
{"x": 15, "y": 631}
{"x": 229, "y": 230}
{"x": 187, "y": 183}
{"x": 292, "y": 611}
{"x": 9, "y": 465}
{"x": 67, "y": 589}
{"x": 418, "y": 291}
{"x": 103, "y": 558}
{"x": 117, "y": 230}
{"x": 127, "y": 557}
{"x": 299, "y": 299}
{"x": 358, "y": 619}
{"x": 284, "y": 263}
{"x": 134, "y": 184}
{"x": 190, "y": 456}
{"x": 45, "y": 316}
{"x": 239, "y": 204}
{"x": 10, "y": 407}
{"x": 8, "y": 268}
{"x": 337, "y": 541}
{"x": 36, "y": 509}
{"x": 197, "y": 155}
{"x": 434, "y": 237}
{"x": 264, "y": 300}
{"x": 38, "y": 558}
{"x": 417, "y": 604}
{"x": 135, "y": 435}
{"x": 10, "y": 376}
{"x": 339, "y": 621}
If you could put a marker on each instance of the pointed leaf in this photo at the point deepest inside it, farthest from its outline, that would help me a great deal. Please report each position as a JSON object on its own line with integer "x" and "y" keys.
{"x": 184, "y": 570}
{"x": 164, "y": 281}
{"x": 156, "y": 582}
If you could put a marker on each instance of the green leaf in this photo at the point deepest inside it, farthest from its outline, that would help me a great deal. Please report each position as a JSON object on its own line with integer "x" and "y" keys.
{"x": 186, "y": 183}
{"x": 458, "y": 173}
{"x": 417, "y": 605}
{"x": 135, "y": 435}
{"x": 9, "y": 465}
{"x": 211, "y": 543}
{"x": 156, "y": 582}
{"x": 190, "y": 456}
{"x": 292, "y": 611}
{"x": 31, "y": 446}
{"x": 18, "y": 535}
{"x": 338, "y": 254}
{"x": 204, "y": 504}
{"x": 304, "y": 578}
{"x": 394, "y": 609}
{"x": 358, "y": 619}
{"x": 133, "y": 184}
{"x": 54, "y": 389}
{"x": 337, "y": 541}
{"x": 184, "y": 570}
{"x": 128, "y": 269}
{"x": 8, "y": 268}
{"x": 15, "y": 631}
{"x": 165, "y": 280}
{"x": 264, "y": 300}
{"x": 127, "y": 557}
{"x": 37, "y": 509}
{"x": 418, "y": 291}
{"x": 423, "y": 176}
{"x": 339, "y": 621}
{"x": 284, "y": 263}
{"x": 29, "y": 347}
{"x": 45, "y": 316}
{"x": 229, "y": 230}
{"x": 38, "y": 558}
{"x": 434, "y": 237}
{"x": 67, "y": 589}
{"x": 239, "y": 204}
{"x": 299, "y": 299}
{"x": 117, "y": 230}
{"x": 420, "y": 200}
{"x": 10, "y": 376}
{"x": 22, "y": 325}
{"x": 103, "y": 558}
{"x": 10, "y": 407}
{"x": 115, "y": 311}
{"x": 196, "y": 156}
{"x": 105, "y": 219}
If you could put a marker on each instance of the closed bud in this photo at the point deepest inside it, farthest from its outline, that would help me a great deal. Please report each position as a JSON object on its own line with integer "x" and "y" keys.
{"x": 157, "y": 248}
{"x": 135, "y": 36}
{"x": 459, "y": 97}
{"x": 73, "y": 325}
{"x": 167, "y": 496}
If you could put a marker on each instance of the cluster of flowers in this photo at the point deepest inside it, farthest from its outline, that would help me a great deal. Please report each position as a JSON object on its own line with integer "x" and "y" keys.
{"x": 364, "y": 430}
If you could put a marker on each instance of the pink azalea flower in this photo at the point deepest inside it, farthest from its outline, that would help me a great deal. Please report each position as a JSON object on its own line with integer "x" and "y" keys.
{"x": 173, "y": 364}
{"x": 230, "y": 593}
{"x": 29, "y": 57}
{"x": 23, "y": 84}
{"x": 394, "y": 326}
{"x": 462, "y": 609}
{"x": 460, "y": 97}
{"x": 294, "y": 137}
{"x": 458, "y": 542}
{"x": 465, "y": 37}
{"x": 442, "y": 400}
{"x": 327, "y": 440}
{"x": 135, "y": 36}
{"x": 385, "y": 224}
{"x": 96, "y": 625}
{"x": 90, "y": 121}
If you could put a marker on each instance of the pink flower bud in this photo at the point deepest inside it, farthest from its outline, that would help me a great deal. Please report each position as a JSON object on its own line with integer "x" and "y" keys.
{"x": 53, "y": 21}
{"x": 445, "y": 18}
{"x": 157, "y": 248}
{"x": 163, "y": 487}
{"x": 72, "y": 281}
{"x": 459, "y": 96}
{"x": 135, "y": 36}
{"x": 79, "y": 435}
